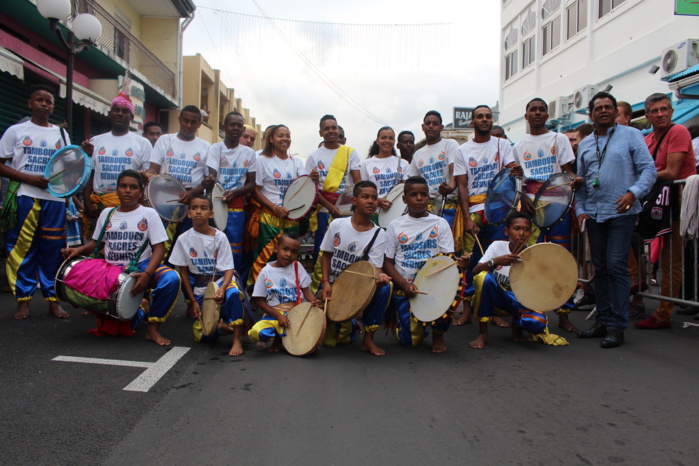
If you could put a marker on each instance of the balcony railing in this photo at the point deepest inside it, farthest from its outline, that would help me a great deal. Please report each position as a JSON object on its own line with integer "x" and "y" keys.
{"x": 119, "y": 44}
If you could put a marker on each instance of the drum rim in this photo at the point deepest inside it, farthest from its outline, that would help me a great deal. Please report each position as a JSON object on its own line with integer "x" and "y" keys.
{"x": 147, "y": 197}
{"x": 322, "y": 333}
{"x": 349, "y": 189}
{"x": 570, "y": 202}
{"x": 454, "y": 303}
{"x": 515, "y": 201}
{"x": 215, "y": 288}
{"x": 84, "y": 179}
{"x": 385, "y": 212}
{"x": 312, "y": 205}
{"x": 214, "y": 193}
{"x": 113, "y": 305}
{"x": 366, "y": 301}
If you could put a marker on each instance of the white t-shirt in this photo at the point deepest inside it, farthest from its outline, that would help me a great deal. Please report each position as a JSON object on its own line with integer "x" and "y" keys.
{"x": 481, "y": 161}
{"x": 322, "y": 158}
{"x": 501, "y": 272}
{"x": 278, "y": 284}
{"x": 30, "y": 147}
{"x": 432, "y": 163}
{"x": 184, "y": 160}
{"x": 412, "y": 241}
{"x": 347, "y": 245}
{"x": 695, "y": 144}
{"x": 383, "y": 172}
{"x": 126, "y": 232}
{"x": 201, "y": 253}
{"x": 232, "y": 165}
{"x": 543, "y": 155}
{"x": 274, "y": 175}
{"x": 114, "y": 154}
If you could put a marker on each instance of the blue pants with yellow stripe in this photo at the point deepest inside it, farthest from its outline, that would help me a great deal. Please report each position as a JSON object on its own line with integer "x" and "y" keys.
{"x": 165, "y": 287}
{"x": 343, "y": 333}
{"x": 410, "y": 332}
{"x": 234, "y": 232}
{"x": 34, "y": 247}
{"x": 231, "y": 310}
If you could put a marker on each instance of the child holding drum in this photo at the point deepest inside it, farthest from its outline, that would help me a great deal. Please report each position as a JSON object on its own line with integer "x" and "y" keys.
{"x": 492, "y": 282}
{"x": 410, "y": 241}
{"x": 280, "y": 285}
{"x": 125, "y": 232}
{"x": 204, "y": 255}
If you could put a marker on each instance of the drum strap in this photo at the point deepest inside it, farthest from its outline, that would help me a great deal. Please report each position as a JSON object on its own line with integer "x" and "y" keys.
{"x": 63, "y": 136}
{"x": 299, "y": 299}
{"x": 365, "y": 253}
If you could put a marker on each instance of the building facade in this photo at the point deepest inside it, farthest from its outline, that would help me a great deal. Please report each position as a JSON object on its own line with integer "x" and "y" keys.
{"x": 565, "y": 51}
{"x": 139, "y": 52}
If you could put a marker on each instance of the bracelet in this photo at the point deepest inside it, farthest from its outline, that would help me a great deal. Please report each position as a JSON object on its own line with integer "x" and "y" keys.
{"x": 491, "y": 264}
{"x": 150, "y": 274}
{"x": 324, "y": 280}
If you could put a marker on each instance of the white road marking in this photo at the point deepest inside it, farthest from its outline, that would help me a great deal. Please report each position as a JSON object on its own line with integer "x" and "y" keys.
{"x": 144, "y": 382}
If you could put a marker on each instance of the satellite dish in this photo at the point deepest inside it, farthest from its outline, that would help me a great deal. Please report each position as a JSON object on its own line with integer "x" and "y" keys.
{"x": 669, "y": 61}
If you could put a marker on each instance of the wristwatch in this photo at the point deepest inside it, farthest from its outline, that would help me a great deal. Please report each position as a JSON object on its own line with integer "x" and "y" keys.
{"x": 491, "y": 264}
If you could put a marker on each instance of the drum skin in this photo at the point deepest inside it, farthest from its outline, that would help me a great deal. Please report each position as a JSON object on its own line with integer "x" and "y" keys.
{"x": 300, "y": 198}
{"x": 545, "y": 278}
{"x": 162, "y": 194}
{"x": 344, "y": 202}
{"x": 310, "y": 337}
{"x": 68, "y": 171}
{"x": 352, "y": 292}
{"x": 441, "y": 287}
{"x": 220, "y": 207}
{"x": 553, "y": 201}
{"x": 210, "y": 310}
{"x": 502, "y": 198}
{"x": 397, "y": 209}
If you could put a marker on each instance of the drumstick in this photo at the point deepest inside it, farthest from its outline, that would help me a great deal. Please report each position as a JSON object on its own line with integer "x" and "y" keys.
{"x": 325, "y": 306}
{"x": 559, "y": 185}
{"x": 501, "y": 181}
{"x": 174, "y": 200}
{"x": 543, "y": 205}
{"x": 56, "y": 174}
{"x": 299, "y": 190}
{"x": 520, "y": 247}
{"x": 421, "y": 292}
{"x": 479, "y": 243}
{"x": 439, "y": 270}
{"x": 362, "y": 274}
{"x": 306, "y": 317}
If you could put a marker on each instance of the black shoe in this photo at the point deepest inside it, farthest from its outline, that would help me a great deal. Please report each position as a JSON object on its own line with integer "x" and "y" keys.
{"x": 596, "y": 331}
{"x": 613, "y": 339}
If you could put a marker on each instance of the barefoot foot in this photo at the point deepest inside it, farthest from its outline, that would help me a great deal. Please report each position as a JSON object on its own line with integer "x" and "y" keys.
{"x": 479, "y": 342}
{"x": 276, "y": 345}
{"x": 224, "y": 328}
{"x": 517, "y": 334}
{"x": 465, "y": 317}
{"x": 56, "y": 310}
{"x": 22, "y": 310}
{"x": 153, "y": 334}
{"x": 237, "y": 348}
{"x": 438, "y": 345}
{"x": 500, "y": 322}
{"x": 190, "y": 310}
{"x": 368, "y": 345}
{"x": 565, "y": 323}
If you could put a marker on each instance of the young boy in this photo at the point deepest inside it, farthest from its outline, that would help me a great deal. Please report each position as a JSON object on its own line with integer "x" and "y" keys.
{"x": 410, "y": 241}
{"x": 203, "y": 254}
{"x": 280, "y": 285}
{"x": 349, "y": 240}
{"x": 34, "y": 244}
{"x": 495, "y": 289}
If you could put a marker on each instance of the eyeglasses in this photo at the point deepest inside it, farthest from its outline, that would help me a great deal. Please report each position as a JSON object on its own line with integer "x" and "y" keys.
{"x": 655, "y": 111}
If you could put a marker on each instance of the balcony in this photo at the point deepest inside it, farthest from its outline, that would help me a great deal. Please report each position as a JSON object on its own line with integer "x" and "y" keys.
{"x": 123, "y": 47}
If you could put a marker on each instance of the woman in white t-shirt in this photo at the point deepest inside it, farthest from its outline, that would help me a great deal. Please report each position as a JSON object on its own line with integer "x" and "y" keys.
{"x": 132, "y": 233}
{"x": 383, "y": 166}
{"x": 276, "y": 169}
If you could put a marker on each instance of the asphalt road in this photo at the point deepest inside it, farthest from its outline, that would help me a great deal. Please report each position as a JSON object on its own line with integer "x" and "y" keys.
{"x": 512, "y": 403}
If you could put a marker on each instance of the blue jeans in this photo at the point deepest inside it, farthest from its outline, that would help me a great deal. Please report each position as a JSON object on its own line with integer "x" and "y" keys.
{"x": 609, "y": 246}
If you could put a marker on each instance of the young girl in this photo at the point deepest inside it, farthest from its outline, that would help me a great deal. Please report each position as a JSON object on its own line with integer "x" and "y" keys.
{"x": 383, "y": 166}
{"x": 276, "y": 169}
{"x": 129, "y": 228}
{"x": 280, "y": 285}
{"x": 203, "y": 254}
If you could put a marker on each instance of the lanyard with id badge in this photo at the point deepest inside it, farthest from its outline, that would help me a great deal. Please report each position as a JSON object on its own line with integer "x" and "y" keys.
{"x": 600, "y": 157}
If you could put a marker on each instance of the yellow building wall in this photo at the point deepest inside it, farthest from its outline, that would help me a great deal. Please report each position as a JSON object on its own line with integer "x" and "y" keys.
{"x": 159, "y": 35}
{"x": 127, "y": 10}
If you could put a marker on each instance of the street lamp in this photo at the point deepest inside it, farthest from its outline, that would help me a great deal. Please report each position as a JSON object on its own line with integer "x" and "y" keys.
{"x": 85, "y": 27}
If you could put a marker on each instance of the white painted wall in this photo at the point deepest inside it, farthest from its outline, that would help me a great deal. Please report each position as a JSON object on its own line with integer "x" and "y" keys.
{"x": 617, "y": 49}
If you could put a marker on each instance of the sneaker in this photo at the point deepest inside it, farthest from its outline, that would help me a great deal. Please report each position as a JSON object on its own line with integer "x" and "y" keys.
{"x": 578, "y": 296}
{"x": 653, "y": 323}
{"x": 587, "y": 301}
{"x": 636, "y": 311}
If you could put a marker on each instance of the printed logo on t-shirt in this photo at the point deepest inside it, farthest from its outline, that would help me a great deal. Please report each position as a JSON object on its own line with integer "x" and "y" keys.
{"x": 43, "y": 143}
{"x": 553, "y": 150}
{"x": 433, "y": 233}
{"x": 282, "y": 282}
{"x": 193, "y": 252}
{"x": 527, "y": 156}
{"x": 540, "y": 153}
{"x": 123, "y": 225}
{"x": 143, "y": 224}
{"x": 420, "y": 163}
{"x": 183, "y": 156}
{"x": 58, "y": 144}
{"x": 337, "y": 240}
{"x": 129, "y": 152}
{"x": 268, "y": 283}
{"x": 102, "y": 151}
{"x": 170, "y": 153}
{"x": 402, "y": 238}
{"x": 245, "y": 164}
{"x": 115, "y": 153}
{"x": 288, "y": 174}
{"x": 109, "y": 225}
{"x": 472, "y": 162}
{"x": 321, "y": 165}
{"x": 276, "y": 173}
{"x": 197, "y": 157}
{"x": 376, "y": 171}
{"x": 441, "y": 155}
{"x": 224, "y": 162}
{"x": 352, "y": 247}
{"x": 27, "y": 141}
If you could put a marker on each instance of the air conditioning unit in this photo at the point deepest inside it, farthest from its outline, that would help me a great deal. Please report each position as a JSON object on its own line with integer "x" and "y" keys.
{"x": 582, "y": 97}
{"x": 559, "y": 108}
{"x": 679, "y": 57}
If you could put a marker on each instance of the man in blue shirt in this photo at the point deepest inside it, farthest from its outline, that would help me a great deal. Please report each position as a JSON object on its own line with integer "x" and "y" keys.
{"x": 618, "y": 171}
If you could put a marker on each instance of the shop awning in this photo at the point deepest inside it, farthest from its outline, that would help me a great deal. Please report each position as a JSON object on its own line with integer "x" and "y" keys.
{"x": 11, "y": 63}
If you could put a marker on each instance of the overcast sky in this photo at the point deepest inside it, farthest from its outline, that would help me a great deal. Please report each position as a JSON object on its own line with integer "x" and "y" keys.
{"x": 433, "y": 67}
